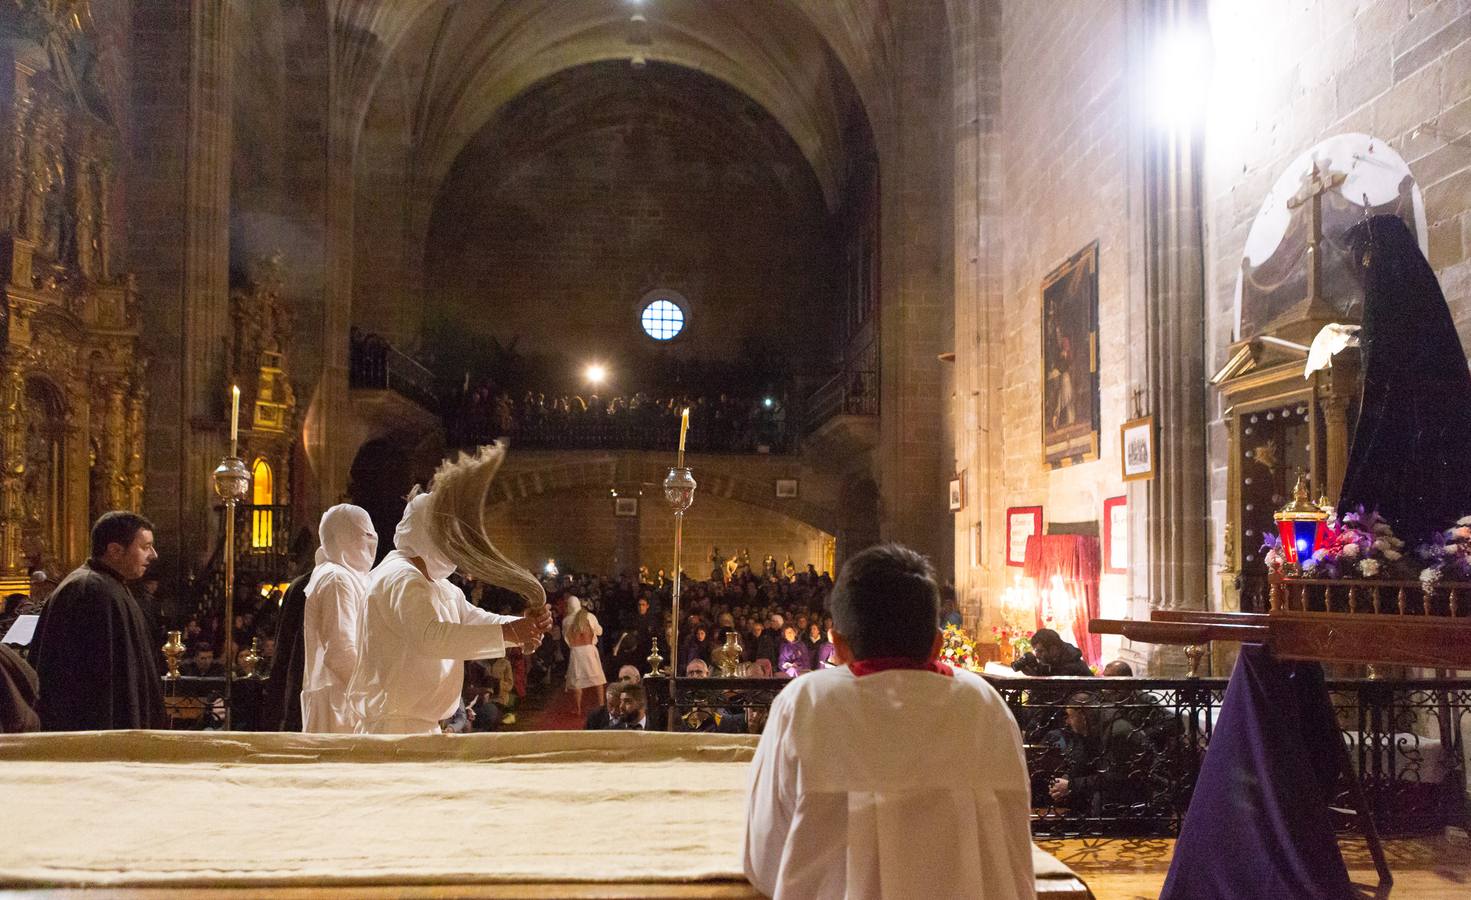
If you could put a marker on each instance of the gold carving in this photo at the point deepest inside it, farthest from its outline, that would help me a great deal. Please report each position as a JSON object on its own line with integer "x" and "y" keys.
{"x": 71, "y": 381}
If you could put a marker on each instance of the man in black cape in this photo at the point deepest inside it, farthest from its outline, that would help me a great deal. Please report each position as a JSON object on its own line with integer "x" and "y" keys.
{"x": 1413, "y": 434}
{"x": 94, "y": 653}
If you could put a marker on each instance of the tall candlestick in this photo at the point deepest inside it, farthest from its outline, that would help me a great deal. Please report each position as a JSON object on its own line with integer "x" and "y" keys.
{"x": 684, "y": 427}
{"x": 234, "y": 418}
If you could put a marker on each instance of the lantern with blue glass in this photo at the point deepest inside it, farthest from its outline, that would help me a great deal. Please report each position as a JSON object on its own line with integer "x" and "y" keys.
{"x": 1303, "y": 526}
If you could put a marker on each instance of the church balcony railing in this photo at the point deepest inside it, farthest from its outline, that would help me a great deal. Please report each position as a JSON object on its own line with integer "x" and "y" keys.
{"x": 1405, "y": 739}
{"x": 853, "y": 393}
{"x": 375, "y": 364}
{"x": 740, "y": 429}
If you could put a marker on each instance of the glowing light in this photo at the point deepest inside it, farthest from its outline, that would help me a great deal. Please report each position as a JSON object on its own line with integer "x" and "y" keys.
{"x": 768, "y": 403}
{"x": 1180, "y": 79}
{"x": 662, "y": 320}
{"x": 596, "y": 373}
{"x": 550, "y": 568}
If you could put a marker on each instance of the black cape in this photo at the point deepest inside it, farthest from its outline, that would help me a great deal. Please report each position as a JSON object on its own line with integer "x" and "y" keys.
{"x": 95, "y": 658}
{"x": 1413, "y": 435}
{"x": 282, "y": 702}
{"x": 18, "y": 692}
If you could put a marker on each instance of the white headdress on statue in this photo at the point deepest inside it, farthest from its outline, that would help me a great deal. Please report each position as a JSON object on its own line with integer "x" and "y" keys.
{"x": 455, "y": 523}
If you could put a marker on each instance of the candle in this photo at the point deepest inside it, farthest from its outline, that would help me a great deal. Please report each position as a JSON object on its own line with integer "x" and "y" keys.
{"x": 234, "y": 418}
{"x": 684, "y": 427}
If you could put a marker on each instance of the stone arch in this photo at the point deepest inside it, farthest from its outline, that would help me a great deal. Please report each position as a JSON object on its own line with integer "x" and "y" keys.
{"x": 534, "y": 474}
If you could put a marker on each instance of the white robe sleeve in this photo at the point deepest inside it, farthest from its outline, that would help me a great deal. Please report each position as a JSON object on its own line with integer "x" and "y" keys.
{"x": 473, "y": 614}
{"x": 335, "y": 609}
{"x": 429, "y": 635}
{"x": 771, "y": 801}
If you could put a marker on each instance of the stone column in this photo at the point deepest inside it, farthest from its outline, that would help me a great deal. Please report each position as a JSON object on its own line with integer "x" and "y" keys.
{"x": 915, "y": 456}
{"x": 1174, "y": 293}
{"x": 179, "y": 186}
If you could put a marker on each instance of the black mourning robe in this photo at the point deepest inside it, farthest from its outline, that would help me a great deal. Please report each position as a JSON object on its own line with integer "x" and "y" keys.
{"x": 1413, "y": 436}
{"x": 95, "y": 657}
{"x": 281, "y": 706}
{"x": 18, "y": 693}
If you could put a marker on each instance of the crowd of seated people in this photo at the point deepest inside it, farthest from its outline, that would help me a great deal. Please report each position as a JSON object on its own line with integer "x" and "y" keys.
{"x": 722, "y": 424}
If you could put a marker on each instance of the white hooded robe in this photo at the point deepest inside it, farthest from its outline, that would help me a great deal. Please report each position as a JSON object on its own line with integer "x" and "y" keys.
{"x": 334, "y": 600}
{"x": 415, "y": 634}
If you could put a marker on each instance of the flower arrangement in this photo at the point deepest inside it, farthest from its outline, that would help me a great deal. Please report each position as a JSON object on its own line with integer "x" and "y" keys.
{"x": 1363, "y": 545}
{"x": 1447, "y": 555}
{"x": 1014, "y": 642}
{"x": 959, "y": 649}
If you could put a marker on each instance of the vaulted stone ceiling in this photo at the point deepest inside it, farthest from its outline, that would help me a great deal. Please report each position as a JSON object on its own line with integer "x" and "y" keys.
{"x": 808, "y": 62}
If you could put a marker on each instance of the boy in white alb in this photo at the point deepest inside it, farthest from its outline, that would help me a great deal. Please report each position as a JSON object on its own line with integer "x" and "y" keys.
{"x": 893, "y": 775}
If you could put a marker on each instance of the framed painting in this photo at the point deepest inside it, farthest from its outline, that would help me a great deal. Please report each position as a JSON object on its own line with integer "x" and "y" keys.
{"x": 1136, "y": 438}
{"x": 625, "y": 506}
{"x": 1116, "y": 535}
{"x": 1070, "y": 360}
{"x": 1021, "y": 523}
{"x": 957, "y": 493}
{"x": 786, "y": 488}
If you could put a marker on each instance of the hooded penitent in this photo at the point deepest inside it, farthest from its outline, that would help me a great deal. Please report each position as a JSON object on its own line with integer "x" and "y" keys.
{"x": 1413, "y": 433}
{"x": 334, "y": 604}
{"x": 418, "y": 627}
{"x": 413, "y": 537}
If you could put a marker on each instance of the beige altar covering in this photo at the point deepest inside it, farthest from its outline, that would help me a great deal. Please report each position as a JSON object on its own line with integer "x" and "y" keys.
{"x": 180, "y": 809}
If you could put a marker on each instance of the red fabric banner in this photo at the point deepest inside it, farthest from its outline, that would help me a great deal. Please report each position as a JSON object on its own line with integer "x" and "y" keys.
{"x": 1075, "y": 559}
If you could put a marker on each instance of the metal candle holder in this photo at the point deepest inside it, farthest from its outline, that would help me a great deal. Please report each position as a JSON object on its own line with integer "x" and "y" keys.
{"x": 232, "y": 483}
{"x": 679, "y": 490}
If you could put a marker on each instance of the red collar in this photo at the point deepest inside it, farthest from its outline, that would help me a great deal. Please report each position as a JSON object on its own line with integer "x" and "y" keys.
{"x": 864, "y": 667}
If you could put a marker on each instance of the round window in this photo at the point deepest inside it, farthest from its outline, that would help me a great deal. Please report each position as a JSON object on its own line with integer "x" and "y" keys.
{"x": 662, "y": 319}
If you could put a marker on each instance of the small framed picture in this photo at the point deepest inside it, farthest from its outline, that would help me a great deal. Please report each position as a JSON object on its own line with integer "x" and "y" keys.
{"x": 1136, "y": 439}
{"x": 1021, "y": 523}
{"x": 957, "y": 493}
{"x": 625, "y": 506}
{"x": 786, "y": 488}
{"x": 1116, "y": 535}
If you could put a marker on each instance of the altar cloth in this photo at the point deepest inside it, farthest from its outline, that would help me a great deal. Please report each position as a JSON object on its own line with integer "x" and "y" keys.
{"x": 181, "y": 809}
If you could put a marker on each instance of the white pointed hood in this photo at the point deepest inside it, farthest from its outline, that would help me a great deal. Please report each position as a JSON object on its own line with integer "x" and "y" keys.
{"x": 413, "y": 537}
{"x": 347, "y": 540}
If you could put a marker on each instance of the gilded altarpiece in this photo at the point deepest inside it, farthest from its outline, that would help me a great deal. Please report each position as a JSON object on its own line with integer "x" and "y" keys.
{"x": 72, "y": 386}
{"x": 262, "y": 324}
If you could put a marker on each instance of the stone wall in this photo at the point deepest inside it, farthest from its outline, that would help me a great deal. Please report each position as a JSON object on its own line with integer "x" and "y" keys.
{"x": 551, "y": 232}
{"x": 1048, "y": 175}
{"x": 1289, "y": 77}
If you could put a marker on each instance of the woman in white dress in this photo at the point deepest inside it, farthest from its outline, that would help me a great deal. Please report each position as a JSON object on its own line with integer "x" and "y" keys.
{"x": 580, "y": 629}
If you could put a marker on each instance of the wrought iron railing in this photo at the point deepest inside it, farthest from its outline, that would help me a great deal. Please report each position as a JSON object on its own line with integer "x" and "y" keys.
{"x": 262, "y": 556}
{"x": 1130, "y": 748}
{"x": 376, "y": 364}
{"x": 756, "y": 431}
{"x": 852, "y": 393}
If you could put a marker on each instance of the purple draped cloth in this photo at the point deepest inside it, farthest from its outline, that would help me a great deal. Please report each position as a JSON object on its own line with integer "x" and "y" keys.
{"x": 1258, "y": 823}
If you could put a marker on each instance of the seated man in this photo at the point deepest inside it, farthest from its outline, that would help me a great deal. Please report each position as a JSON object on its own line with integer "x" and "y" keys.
{"x": 893, "y": 775}
{"x": 632, "y": 713}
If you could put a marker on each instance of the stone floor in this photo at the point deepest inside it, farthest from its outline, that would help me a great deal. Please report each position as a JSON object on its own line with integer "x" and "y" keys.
{"x": 1430, "y": 868}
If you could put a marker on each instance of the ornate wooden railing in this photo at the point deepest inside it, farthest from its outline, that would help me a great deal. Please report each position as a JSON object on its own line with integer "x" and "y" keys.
{"x": 1406, "y": 740}
{"x": 1369, "y": 596}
